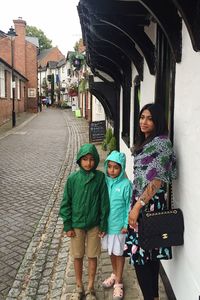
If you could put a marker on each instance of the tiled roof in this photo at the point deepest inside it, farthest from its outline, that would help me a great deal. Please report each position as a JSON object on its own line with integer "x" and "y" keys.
{"x": 33, "y": 40}
{"x": 43, "y": 53}
{"x": 61, "y": 62}
{"x": 52, "y": 64}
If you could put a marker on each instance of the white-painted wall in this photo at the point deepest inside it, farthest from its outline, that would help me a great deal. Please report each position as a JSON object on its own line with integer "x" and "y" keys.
{"x": 98, "y": 113}
{"x": 184, "y": 269}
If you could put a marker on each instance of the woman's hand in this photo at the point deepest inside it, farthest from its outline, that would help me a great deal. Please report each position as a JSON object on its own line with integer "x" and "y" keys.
{"x": 102, "y": 234}
{"x": 133, "y": 215}
{"x": 70, "y": 233}
{"x": 124, "y": 230}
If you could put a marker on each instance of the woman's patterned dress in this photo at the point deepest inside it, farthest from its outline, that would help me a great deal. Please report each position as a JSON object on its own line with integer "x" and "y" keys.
{"x": 155, "y": 161}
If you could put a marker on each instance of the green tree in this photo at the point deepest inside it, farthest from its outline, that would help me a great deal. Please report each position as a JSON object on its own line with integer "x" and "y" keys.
{"x": 78, "y": 45}
{"x": 44, "y": 42}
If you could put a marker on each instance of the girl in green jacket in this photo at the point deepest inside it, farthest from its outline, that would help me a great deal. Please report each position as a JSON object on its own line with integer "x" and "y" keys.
{"x": 120, "y": 191}
{"x": 84, "y": 210}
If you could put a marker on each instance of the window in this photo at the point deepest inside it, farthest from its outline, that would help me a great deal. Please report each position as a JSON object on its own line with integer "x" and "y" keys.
{"x": 2, "y": 83}
{"x": 6, "y": 84}
{"x": 18, "y": 88}
{"x": 12, "y": 86}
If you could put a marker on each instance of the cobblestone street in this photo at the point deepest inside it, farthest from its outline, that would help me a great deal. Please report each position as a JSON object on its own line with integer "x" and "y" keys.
{"x": 36, "y": 158}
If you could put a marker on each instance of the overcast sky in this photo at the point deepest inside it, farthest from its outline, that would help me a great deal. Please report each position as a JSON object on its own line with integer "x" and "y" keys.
{"x": 58, "y": 20}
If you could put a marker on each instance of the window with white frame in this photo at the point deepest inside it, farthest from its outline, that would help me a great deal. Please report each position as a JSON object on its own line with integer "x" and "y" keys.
{"x": 2, "y": 83}
{"x": 18, "y": 88}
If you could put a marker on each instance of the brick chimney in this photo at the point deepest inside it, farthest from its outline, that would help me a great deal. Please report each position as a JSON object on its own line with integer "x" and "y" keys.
{"x": 20, "y": 51}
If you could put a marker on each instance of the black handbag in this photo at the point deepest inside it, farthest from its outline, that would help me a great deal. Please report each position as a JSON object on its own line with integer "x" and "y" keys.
{"x": 160, "y": 229}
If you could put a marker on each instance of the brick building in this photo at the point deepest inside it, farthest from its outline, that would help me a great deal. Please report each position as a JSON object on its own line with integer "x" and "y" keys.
{"x": 25, "y": 52}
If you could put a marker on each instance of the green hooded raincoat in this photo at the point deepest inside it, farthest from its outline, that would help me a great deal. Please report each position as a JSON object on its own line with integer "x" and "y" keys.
{"x": 85, "y": 201}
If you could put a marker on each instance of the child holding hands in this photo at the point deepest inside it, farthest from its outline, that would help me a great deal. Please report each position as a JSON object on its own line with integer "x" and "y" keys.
{"x": 84, "y": 210}
{"x": 120, "y": 191}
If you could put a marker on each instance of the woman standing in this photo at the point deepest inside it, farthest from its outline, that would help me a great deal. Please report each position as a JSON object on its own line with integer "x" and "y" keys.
{"x": 154, "y": 167}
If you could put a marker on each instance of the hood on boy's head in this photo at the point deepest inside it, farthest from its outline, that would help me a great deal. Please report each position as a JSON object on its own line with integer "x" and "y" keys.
{"x": 118, "y": 157}
{"x": 88, "y": 149}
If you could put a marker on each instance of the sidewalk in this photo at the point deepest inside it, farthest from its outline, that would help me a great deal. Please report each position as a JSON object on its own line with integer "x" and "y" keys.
{"x": 21, "y": 119}
{"x": 44, "y": 270}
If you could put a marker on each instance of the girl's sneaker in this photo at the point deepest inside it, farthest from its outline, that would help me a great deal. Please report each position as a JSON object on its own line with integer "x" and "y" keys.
{"x": 118, "y": 292}
{"x": 109, "y": 282}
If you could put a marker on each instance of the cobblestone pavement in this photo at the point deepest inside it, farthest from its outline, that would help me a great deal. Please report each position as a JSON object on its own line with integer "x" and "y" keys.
{"x": 35, "y": 159}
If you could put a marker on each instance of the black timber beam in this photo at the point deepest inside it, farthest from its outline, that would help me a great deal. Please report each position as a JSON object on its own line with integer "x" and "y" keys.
{"x": 107, "y": 7}
{"x": 166, "y": 15}
{"x": 107, "y": 66}
{"x": 125, "y": 64}
{"x": 138, "y": 37}
{"x": 120, "y": 42}
{"x": 190, "y": 12}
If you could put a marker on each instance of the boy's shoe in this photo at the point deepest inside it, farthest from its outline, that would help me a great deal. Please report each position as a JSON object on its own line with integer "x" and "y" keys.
{"x": 118, "y": 292}
{"x": 90, "y": 295}
{"x": 109, "y": 282}
{"x": 77, "y": 294}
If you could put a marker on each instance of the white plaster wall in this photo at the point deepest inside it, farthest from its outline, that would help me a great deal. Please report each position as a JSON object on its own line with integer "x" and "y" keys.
{"x": 98, "y": 113}
{"x": 147, "y": 87}
{"x": 129, "y": 159}
{"x": 106, "y": 76}
{"x": 184, "y": 270}
{"x": 123, "y": 147}
{"x": 148, "y": 84}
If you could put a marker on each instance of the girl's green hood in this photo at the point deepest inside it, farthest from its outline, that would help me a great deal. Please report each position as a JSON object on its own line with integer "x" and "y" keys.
{"x": 118, "y": 157}
{"x": 88, "y": 149}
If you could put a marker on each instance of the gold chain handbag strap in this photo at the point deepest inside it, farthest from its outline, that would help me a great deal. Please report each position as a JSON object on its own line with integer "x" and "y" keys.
{"x": 160, "y": 213}
{"x": 170, "y": 198}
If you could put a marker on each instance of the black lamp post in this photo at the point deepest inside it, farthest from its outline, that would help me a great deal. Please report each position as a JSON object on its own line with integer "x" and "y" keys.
{"x": 40, "y": 94}
{"x": 12, "y": 34}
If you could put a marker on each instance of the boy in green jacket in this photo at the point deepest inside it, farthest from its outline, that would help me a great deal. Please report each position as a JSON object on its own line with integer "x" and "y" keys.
{"x": 84, "y": 210}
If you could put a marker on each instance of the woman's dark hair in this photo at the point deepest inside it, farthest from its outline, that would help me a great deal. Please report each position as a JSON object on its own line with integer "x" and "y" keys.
{"x": 159, "y": 120}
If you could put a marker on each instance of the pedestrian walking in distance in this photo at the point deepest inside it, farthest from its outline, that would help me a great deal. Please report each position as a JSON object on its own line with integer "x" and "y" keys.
{"x": 84, "y": 210}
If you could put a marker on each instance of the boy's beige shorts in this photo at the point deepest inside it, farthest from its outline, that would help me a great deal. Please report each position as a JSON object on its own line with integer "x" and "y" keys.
{"x": 86, "y": 242}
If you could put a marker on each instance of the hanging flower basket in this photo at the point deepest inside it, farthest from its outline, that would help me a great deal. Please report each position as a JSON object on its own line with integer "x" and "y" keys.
{"x": 76, "y": 59}
{"x": 73, "y": 91}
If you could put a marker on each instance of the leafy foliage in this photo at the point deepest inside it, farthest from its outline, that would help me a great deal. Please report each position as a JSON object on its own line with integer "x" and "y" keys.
{"x": 109, "y": 143}
{"x": 76, "y": 56}
{"x": 78, "y": 45}
{"x": 112, "y": 144}
{"x": 44, "y": 42}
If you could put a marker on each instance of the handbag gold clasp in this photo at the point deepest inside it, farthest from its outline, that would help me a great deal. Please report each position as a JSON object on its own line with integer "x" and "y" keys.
{"x": 165, "y": 236}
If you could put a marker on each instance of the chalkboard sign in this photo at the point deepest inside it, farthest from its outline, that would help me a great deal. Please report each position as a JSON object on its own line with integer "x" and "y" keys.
{"x": 97, "y": 131}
